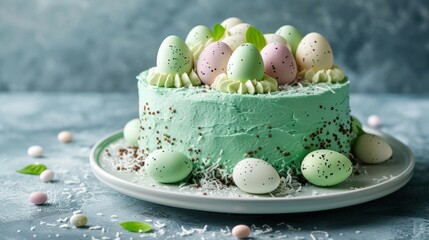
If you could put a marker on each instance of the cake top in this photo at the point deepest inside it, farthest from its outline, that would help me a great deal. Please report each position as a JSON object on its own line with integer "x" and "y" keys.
{"x": 235, "y": 57}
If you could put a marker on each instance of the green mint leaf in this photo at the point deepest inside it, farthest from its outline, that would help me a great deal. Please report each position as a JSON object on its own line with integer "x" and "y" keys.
{"x": 34, "y": 169}
{"x": 136, "y": 226}
{"x": 218, "y": 32}
{"x": 255, "y": 37}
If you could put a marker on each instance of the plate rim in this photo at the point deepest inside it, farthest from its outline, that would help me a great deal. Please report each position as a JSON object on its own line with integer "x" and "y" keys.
{"x": 373, "y": 192}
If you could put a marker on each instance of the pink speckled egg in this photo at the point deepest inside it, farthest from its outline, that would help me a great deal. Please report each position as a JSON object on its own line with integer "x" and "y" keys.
{"x": 38, "y": 198}
{"x": 279, "y": 63}
{"x": 213, "y": 61}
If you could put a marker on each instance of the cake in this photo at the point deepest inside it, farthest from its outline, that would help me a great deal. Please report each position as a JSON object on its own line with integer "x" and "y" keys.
{"x": 228, "y": 100}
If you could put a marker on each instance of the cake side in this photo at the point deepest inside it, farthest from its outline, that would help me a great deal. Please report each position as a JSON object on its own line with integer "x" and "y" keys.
{"x": 215, "y": 129}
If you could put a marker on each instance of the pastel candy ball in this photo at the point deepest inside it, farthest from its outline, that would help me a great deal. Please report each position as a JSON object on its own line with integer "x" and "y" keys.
{"x": 315, "y": 52}
{"x": 292, "y": 35}
{"x": 35, "y": 151}
{"x": 240, "y": 231}
{"x": 38, "y": 198}
{"x": 65, "y": 136}
{"x": 374, "y": 121}
{"x": 326, "y": 167}
{"x": 372, "y": 149}
{"x": 279, "y": 63}
{"x": 47, "y": 175}
{"x": 174, "y": 56}
{"x": 131, "y": 132}
{"x": 168, "y": 166}
{"x": 198, "y": 34}
{"x": 78, "y": 220}
{"x": 213, "y": 61}
{"x": 230, "y": 22}
{"x": 255, "y": 176}
{"x": 245, "y": 64}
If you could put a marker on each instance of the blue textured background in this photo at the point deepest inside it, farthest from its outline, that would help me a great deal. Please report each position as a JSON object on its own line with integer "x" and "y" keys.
{"x": 101, "y": 45}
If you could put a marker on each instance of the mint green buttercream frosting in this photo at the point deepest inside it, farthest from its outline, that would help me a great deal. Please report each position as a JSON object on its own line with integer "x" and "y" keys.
{"x": 334, "y": 74}
{"x": 266, "y": 85}
{"x": 220, "y": 129}
{"x": 155, "y": 78}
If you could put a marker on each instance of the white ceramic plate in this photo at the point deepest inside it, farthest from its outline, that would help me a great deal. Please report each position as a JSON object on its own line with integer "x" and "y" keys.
{"x": 374, "y": 181}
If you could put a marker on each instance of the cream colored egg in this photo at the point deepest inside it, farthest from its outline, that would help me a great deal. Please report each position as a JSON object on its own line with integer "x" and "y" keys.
{"x": 314, "y": 51}
{"x": 231, "y": 22}
{"x": 255, "y": 176}
{"x": 239, "y": 29}
{"x": 234, "y": 41}
{"x": 372, "y": 149}
{"x": 275, "y": 38}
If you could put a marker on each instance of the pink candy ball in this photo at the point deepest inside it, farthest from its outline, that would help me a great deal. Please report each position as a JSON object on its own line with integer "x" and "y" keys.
{"x": 240, "y": 231}
{"x": 65, "y": 136}
{"x": 38, "y": 198}
{"x": 374, "y": 121}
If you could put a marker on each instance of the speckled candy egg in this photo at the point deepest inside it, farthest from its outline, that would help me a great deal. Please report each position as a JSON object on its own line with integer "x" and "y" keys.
{"x": 167, "y": 166}
{"x": 372, "y": 149}
{"x": 326, "y": 167}
{"x": 314, "y": 52}
{"x": 275, "y": 38}
{"x": 239, "y": 29}
{"x": 245, "y": 64}
{"x": 234, "y": 41}
{"x": 198, "y": 34}
{"x": 255, "y": 176}
{"x": 292, "y": 35}
{"x": 131, "y": 132}
{"x": 213, "y": 61}
{"x": 231, "y": 22}
{"x": 279, "y": 63}
{"x": 174, "y": 56}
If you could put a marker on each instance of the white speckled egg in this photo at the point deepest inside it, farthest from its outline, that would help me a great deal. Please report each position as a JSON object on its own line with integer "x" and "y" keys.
{"x": 213, "y": 61}
{"x": 239, "y": 29}
{"x": 174, "y": 56}
{"x": 198, "y": 34}
{"x": 234, "y": 41}
{"x": 255, "y": 176}
{"x": 131, "y": 132}
{"x": 245, "y": 64}
{"x": 167, "y": 166}
{"x": 372, "y": 149}
{"x": 231, "y": 22}
{"x": 326, "y": 167}
{"x": 275, "y": 38}
{"x": 314, "y": 52}
{"x": 279, "y": 63}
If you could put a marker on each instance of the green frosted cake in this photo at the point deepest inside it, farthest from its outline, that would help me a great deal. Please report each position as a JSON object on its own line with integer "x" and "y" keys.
{"x": 233, "y": 95}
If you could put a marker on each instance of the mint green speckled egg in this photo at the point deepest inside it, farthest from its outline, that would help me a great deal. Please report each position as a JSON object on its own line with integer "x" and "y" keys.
{"x": 198, "y": 34}
{"x": 326, "y": 167}
{"x": 292, "y": 35}
{"x": 174, "y": 56}
{"x": 168, "y": 166}
{"x": 245, "y": 64}
{"x": 131, "y": 132}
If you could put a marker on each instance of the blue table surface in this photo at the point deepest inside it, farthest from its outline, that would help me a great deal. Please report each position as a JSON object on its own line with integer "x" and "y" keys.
{"x": 36, "y": 118}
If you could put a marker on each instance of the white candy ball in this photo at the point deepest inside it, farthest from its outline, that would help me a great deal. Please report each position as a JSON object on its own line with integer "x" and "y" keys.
{"x": 78, "y": 220}
{"x": 65, "y": 136}
{"x": 35, "y": 151}
{"x": 374, "y": 121}
{"x": 47, "y": 175}
{"x": 240, "y": 231}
